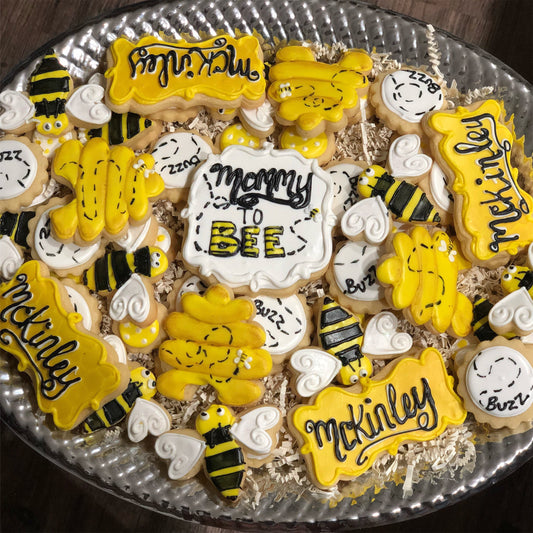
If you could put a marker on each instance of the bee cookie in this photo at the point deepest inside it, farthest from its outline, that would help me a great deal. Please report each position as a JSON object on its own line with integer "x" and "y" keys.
{"x": 259, "y": 221}
{"x": 493, "y": 215}
{"x": 22, "y": 173}
{"x": 402, "y": 97}
{"x": 214, "y": 343}
{"x": 352, "y": 277}
{"x": 495, "y": 380}
{"x": 316, "y": 97}
{"x": 224, "y": 444}
{"x": 112, "y": 188}
{"x": 73, "y": 371}
{"x": 342, "y": 432}
{"x": 63, "y": 259}
{"x": 222, "y": 72}
{"x": 176, "y": 157}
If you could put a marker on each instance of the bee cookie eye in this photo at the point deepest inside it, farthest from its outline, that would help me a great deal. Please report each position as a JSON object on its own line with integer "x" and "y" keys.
{"x": 354, "y": 379}
{"x": 204, "y": 415}
{"x": 154, "y": 259}
{"x": 145, "y": 373}
{"x": 363, "y": 373}
{"x": 47, "y": 126}
{"x": 370, "y": 172}
{"x": 151, "y": 384}
{"x": 363, "y": 180}
{"x": 511, "y": 269}
{"x": 507, "y": 277}
{"x": 58, "y": 124}
{"x": 220, "y": 411}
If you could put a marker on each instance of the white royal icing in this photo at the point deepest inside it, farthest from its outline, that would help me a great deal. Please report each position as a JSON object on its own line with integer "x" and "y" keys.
{"x": 514, "y": 312}
{"x": 163, "y": 239}
{"x": 18, "y": 110}
{"x": 438, "y": 186}
{"x": 131, "y": 299}
{"x": 18, "y": 168}
{"x": 176, "y": 157}
{"x": 251, "y": 430}
{"x": 59, "y": 255}
{"x": 10, "y": 257}
{"x": 382, "y": 338}
{"x": 48, "y": 191}
{"x": 316, "y": 370}
{"x": 369, "y": 216}
{"x": 193, "y": 284}
{"x": 260, "y": 118}
{"x": 344, "y": 181}
{"x": 147, "y": 418}
{"x": 80, "y": 306}
{"x": 291, "y": 213}
{"x": 117, "y": 345}
{"x": 530, "y": 256}
{"x": 184, "y": 451}
{"x": 499, "y": 381}
{"x": 405, "y": 161}
{"x": 85, "y": 104}
{"x": 49, "y": 145}
{"x": 411, "y": 94}
{"x": 134, "y": 237}
{"x": 283, "y": 320}
{"x": 354, "y": 267}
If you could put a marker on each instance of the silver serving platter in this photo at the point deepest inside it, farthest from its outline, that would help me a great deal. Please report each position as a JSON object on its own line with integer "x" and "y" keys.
{"x": 131, "y": 471}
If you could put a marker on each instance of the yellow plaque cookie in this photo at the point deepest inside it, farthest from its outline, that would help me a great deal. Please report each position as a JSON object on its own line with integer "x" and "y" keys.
{"x": 73, "y": 371}
{"x": 342, "y": 433}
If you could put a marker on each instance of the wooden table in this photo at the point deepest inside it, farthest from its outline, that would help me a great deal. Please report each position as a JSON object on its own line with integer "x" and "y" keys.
{"x": 37, "y": 496}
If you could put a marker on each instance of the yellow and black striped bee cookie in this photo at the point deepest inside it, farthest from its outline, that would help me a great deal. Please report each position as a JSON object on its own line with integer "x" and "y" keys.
{"x": 515, "y": 277}
{"x": 225, "y": 444}
{"x": 406, "y": 201}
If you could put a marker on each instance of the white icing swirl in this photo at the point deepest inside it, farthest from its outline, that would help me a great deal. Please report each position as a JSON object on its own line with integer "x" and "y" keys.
{"x": 370, "y": 216}
{"x": 18, "y": 110}
{"x": 405, "y": 161}
{"x": 132, "y": 299}
{"x": 251, "y": 429}
{"x": 316, "y": 369}
{"x": 183, "y": 451}
{"x": 382, "y": 338}
{"x": 85, "y": 104}
{"x": 513, "y": 313}
{"x": 10, "y": 258}
{"x": 147, "y": 418}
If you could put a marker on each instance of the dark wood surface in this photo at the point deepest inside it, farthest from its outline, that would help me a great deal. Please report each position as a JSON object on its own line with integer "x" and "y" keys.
{"x": 35, "y": 495}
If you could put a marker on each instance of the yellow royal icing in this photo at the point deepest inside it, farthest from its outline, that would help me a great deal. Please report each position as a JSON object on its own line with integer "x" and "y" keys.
{"x": 310, "y": 147}
{"x": 342, "y": 433}
{"x": 236, "y": 134}
{"x": 423, "y": 275}
{"x": 68, "y": 366}
{"x": 307, "y": 92}
{"x": 110, "y": 186}
{"x": 138, "y": 337}
{"x": 496, "y": 214}
{"x": 152, "y": 71}
{"x": 213, "y": 344}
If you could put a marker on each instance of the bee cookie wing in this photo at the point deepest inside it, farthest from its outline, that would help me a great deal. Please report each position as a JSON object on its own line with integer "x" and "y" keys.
{"x": 145, "y": 418}
{"x": 131, "y": 300}
{"x": 85, "y": 106}
{"x": 316, "y": 370}
{"x": 184, "y": 452}
{"x": 251, "y": 430}
{"x": 18, "y": 110}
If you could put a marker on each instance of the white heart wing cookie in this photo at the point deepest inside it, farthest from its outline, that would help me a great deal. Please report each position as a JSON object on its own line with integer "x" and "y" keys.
{"x": 147, "y": 418}
{"x": 183, "y": 451}
{"x": 86, "y": 108}
{"x": 382, "y": 339}
{"x": 369, "y": 217}
{"x": 514, "y": 313}
{"x": 405, "y": 159}
{"x": 133, "y": 300}
{"x": 316, "y": 369}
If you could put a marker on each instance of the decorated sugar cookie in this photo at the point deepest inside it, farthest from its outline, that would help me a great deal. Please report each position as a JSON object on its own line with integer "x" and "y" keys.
{"x": 22, "y": 173}
{"x": 219, "y": 72}
{"x": 176, "y": 157}
{"x": 13, "y": 241}
{"x": 141, "y": 386}
{"x": 352, "y": 277}
{"x": 344, "y": 175}
{"x": 85, "y": 107}
{"x": 421, "y": 279}
{"x": 259, "y": 220}
{"x": 406, "y": 201}
{"x": 86, "y": 305}
{"x": 138, "y": 236}
{"x": 126, "y": 129}
{"x": 225, "y": 444}
{"x": 236, "y": 135}
{"x": 73, "y": 371}
{"x": 493, "y": 215}
{"x": 18, "y": 112}
{"x": 496, "y": 382}
{"x": 62, "y": 258}
{"x": 341, "y": 432}
{"x": 111, "y": 187}
{"x": 317, "y": 97}
{"x": 382, "y": 339}
{"x": 513, "y": 314}
{"x": 320, "y": 147}
{"x": 369, "y": 219}
{"x": 405, "y": 159}
{"x": 402, "y": 97}
{"x": 213, "y": 343}
{"x": 147, "y": 417}
{"x": 258, "y": 121}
